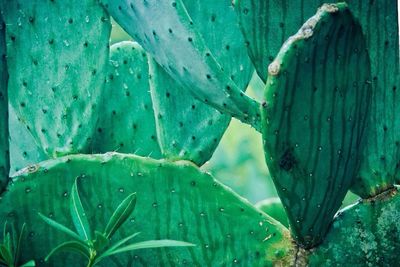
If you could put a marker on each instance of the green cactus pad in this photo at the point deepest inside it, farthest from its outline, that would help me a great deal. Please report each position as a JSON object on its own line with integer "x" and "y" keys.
{"x": 274, "y": 208}
{"x": 23, "y": 148}
{"x": 199, "y": 67}
{"x": 57, "y": 56}
{"x": 126, "y": 121}
{"x": 317, "y": 98}
{"x": 266, "y": 24}
{"x": 365, "y": 234}
{"x": 381, "y": 156}
{"x": 174, "y": 201}
{"x": 4, "y": 147}
{"x": 186, "y": 128}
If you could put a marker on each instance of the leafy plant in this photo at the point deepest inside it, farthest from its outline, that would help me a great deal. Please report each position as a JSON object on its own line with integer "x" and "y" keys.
{"x": 10, "y": 248}
{"x": 96, "y": 248}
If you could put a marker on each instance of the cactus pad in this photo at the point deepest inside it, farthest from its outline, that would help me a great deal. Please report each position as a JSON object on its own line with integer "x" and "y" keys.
{"x": 206, "y": 74}
{"x": 317, "y": 99}
{"x": 186, "y": 128}
{"x": 4, "y": 151}
{"x": 266, "y": 24}
{"x": 274, "y": 208}
{"x": 57, "y": 56}
{"x": 381, "y": 157}
{"x": 174, "y": 201}
{"x": 126, "y": 121}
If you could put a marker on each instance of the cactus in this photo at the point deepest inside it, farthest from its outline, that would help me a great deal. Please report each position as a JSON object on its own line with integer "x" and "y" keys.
{"x": 180, "y": 136}
{"x": 127, "y": 88}
{"x": 206, "y": 71}
{"x": 328, "y": 124}
{"x": 330, "y": 109}
{"x": 4, "y": 146}
{"x": 56, "y": 74}
{"x": 224, "y": 227}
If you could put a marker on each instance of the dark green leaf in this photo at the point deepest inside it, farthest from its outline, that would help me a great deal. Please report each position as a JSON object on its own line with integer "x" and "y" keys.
{"x": 73, "y": 246}
{"x": 123, "y": 211}
{"x": 116, "y": 245}
{"x": 101, "y": 241}
{"x": 60, "y": 227}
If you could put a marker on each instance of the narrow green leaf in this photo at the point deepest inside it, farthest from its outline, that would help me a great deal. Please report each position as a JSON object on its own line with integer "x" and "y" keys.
{"x": 116, "y": 245}
{"x": 60, "y": 227}
{"x": 150, "y": 244}
{"x": 18, "y": 245}
{"x": 73, "y": 246}
{"x": 123, "y": 211}
{"x": 6, "y": 254}
{"x": 78, "y": 213}
{"x": 30, "y": 263}
{"x": 101, "y": 241}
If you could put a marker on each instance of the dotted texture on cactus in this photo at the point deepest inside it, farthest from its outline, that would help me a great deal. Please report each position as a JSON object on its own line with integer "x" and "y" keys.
{"x": 274, "y": 208}
{"x": 317, "y": 99}
{"x": 365, "y": 234}
{"x": 126, "y": 122}
{"x": 381, "y": 157}
{"x": 24, "y": 150}
{"x": 4, "y": 152}
{"x": 174, "y": 201}
{"x": 57, "y": 53}
{"x": 186, "y": 128}
{"x": 266, "y": 24}
{"x": 194, "y": 51}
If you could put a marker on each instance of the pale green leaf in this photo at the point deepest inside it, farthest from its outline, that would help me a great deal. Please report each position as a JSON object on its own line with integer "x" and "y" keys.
{"x": 30, "y": 263}
{"x": 78, "y": 213}
{"x": 116, "y": 245}
{"x": 73, "y": 246}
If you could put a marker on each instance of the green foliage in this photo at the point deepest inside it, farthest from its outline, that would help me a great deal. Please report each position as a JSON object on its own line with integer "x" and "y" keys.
{"x": 99, "y": 248}
{"x": 312, "y": 171}
{"x": 10, "y": 247}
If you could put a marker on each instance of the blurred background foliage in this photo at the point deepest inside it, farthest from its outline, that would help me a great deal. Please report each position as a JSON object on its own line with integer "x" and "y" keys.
{"x": 238, "y": 161}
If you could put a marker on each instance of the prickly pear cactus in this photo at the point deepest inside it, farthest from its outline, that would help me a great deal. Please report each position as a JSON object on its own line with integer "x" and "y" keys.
{"x": 24, "y": 150}
{"x": 57, "y": 57}
{"x": 174, "y": 200}
{"x": 127, "y": 122}
{"x": 204, "y": 74}
{"x": 310, "y": 91}
{"x": 380, "y": 160}
{"x": 266, "y": 25}
{"x": 186, "y": 128}
{"x": 4, "y": 151}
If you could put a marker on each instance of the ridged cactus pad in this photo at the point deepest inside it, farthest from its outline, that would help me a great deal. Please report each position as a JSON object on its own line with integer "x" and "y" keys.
{"x": 206, "y": 74}
{"x": 57, "y": 54}
{"x": 380, "y": 160}
{"x": 174, "y": 201}
{"x": 317, "y": 97}
{"x": 186, "y": 127}
{"x": 126, "y": 122}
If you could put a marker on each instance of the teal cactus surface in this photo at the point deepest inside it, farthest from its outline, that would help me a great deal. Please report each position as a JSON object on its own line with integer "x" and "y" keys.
{"x": 186, "y": 127}
{"x": 380, "y": 160}
{"x": 127, "y": 123}
{"x": 24, "y": 150}
{"x": 4, "y": 145}
{"x": 57, "y": 58}
{"x": 104, "y": 145}
{"x": 312, "y": 171}
{"x": 174, "y": 201}
{"x": 204, "y": 76}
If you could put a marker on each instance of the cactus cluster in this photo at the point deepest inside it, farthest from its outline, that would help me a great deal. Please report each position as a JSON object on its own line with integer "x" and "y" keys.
{"x": 133, "y": 123}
